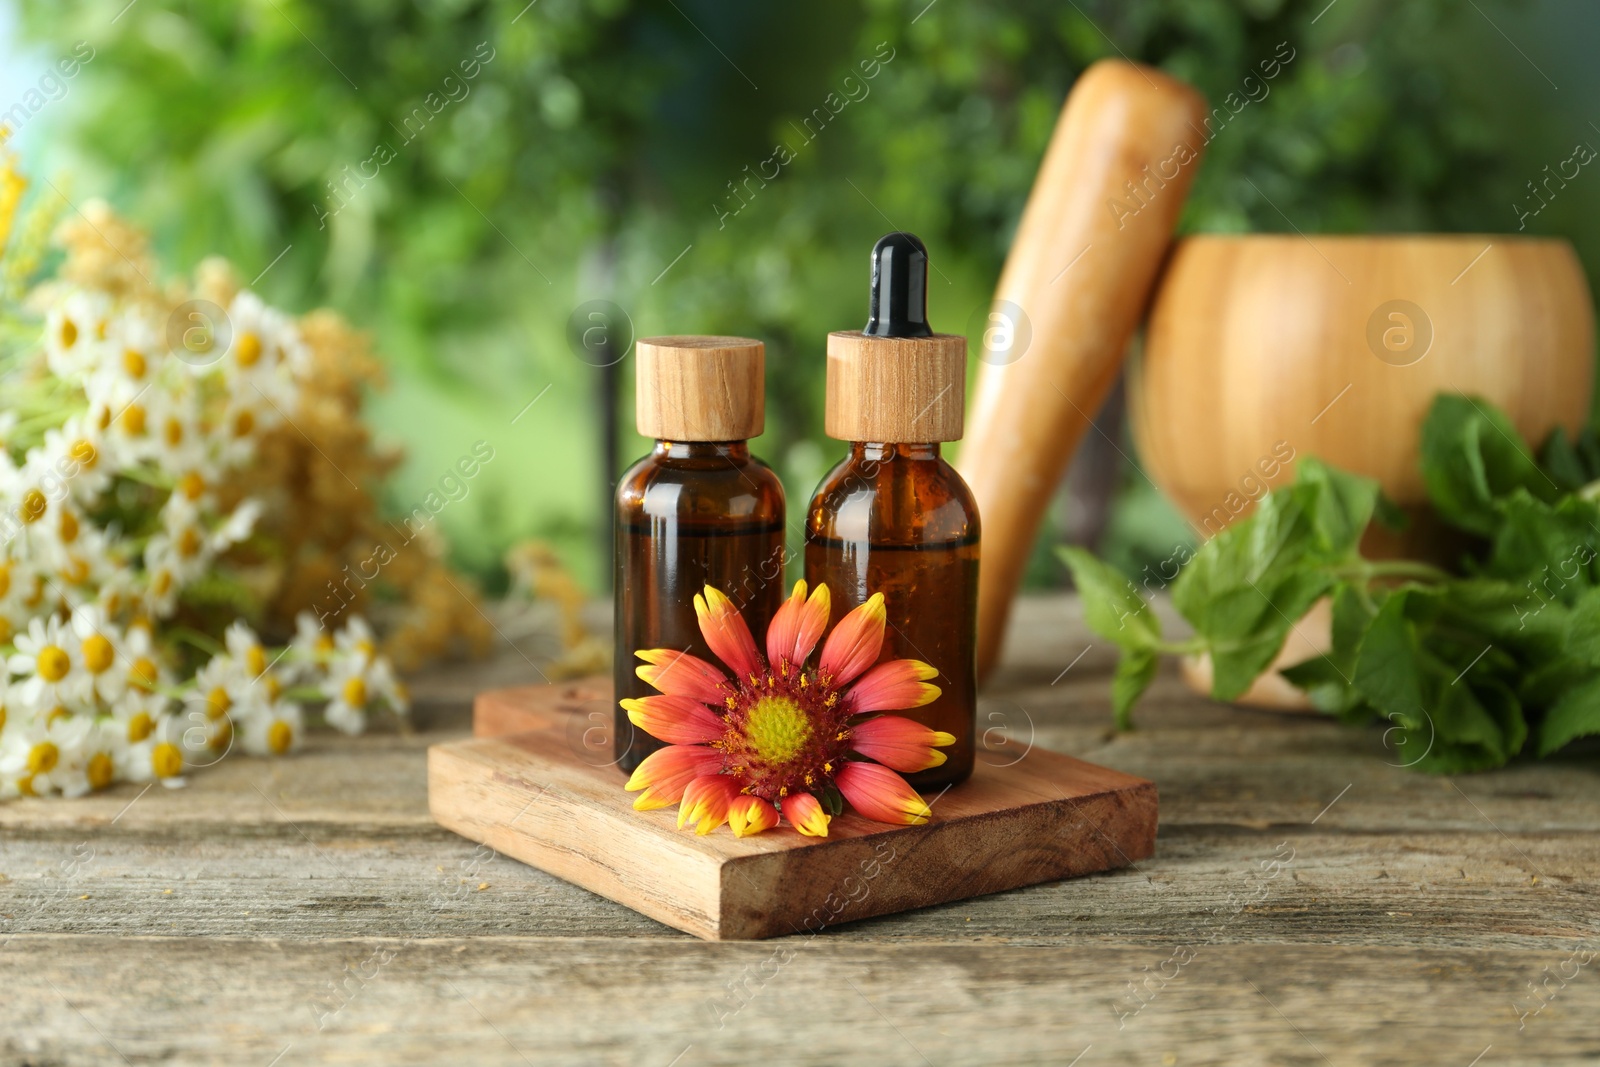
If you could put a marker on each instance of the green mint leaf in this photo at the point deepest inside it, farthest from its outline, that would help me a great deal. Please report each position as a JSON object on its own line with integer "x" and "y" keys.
{"x": 1582, "y": 631}
{"x": 1549, "y": 546}
{"x": 1136, "y": 668}
{"x": 1575, "y": 715}
{"x": 1112, "y": 607}
{"x": 1560, "y": 459}
{"x": 1472, "y": 456}
{"x": 1388, "y": 666}
{"x": 1340, "y": 509}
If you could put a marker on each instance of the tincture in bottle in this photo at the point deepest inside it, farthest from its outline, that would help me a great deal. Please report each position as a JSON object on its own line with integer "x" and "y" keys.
{"x": 893, "y": 517}
{"x": 698, "y": 510}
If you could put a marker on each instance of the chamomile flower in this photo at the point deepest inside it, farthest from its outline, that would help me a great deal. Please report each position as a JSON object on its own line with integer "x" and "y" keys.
{"x": 99, "y": 652}
{"x": 313, "y": 646}
{"x": 42, "y": 758}
{"x": 272, "y": 728}
{"x": 45, "y": 665}
{"x": 356, "y": 684}
{"x": 75, "y": 330}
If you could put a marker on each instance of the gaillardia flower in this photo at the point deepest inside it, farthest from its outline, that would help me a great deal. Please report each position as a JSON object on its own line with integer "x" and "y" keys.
{"x": 779, "y": 737}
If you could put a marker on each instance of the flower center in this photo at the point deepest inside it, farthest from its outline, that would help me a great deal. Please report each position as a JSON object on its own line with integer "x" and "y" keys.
{"x": 133, "y": 363}
{"x": 100, "y": 770}
{"x": 218, "y": 702}
{"x": 42, "y": 757}
{"x": 34, "y": 505}
{"x": 166, "y": 761}
{"x": 249, "y": 352}
{"x": 777, "y": 728}
{"x": 53, "y": 663}
{"x": 97, "y": 653}
{"x": 144, "y": 675}
{"x": 140, "y": 726}
{"x": 280, "y": 735}
{"x": 355, "y": 692}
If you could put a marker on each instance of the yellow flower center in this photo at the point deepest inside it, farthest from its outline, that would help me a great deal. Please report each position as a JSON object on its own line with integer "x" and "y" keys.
{"x": 192, "y": 485}
{"x": 223, "y": 737}
{"x": 103, "y": 420}
{"x": 249, "y": 351}
{"x": 100, "y": 770}
{"x": 33, "y": 505}
{"x": 5, "y": 578}
{"x": 25, "y": 786}
{"x": 77, "y": 570}
{"x": 139, "y": 726}
{"x": 274, "y": 687}
{"x": 218, "y": 702}
{"x": 323, "y": 645}
{"x": 145, "y": 674}
{"x": 132, "y": 419}
{"x": 166, "y": 761}
{"x": 2, "y": 716}
{"x": 243, "y": 423}
{"x": 53, "y": 663}
{"x": 355, "y": 692}
{"x": 174, "y": 432}
{"x": 133, "y": 363}
{"x": 84, "y": 452}
{"x": 280, "y": 735}
{"x": 57, "y": 713}
{"x": 366, "y": 648}
{"x": 69, "y": 527}
{"x": 777, "y": 729}
{"x": 6, "y": 629}
{"x": 189, "y": 543}
{"x": 256, "y": 660}
{"x": 161, "y": 582}
{"x": 69, "y": 333}
{"x": 97, "y": 653}
{"x": 42, "y": 758}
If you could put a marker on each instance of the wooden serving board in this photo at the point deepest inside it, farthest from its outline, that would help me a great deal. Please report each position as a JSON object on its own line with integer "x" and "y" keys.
{"x": 535, "y": 783}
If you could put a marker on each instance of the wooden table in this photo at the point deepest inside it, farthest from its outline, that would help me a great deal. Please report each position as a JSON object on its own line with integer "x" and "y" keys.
{"x": 1308, "y": 903}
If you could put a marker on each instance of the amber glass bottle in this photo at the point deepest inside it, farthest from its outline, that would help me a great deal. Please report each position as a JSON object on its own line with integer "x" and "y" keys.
{"x": 698, "y": 510}
{"x": 893, "y": 517}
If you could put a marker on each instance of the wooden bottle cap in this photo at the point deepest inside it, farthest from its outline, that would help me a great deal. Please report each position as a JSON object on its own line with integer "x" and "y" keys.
{"x": 898, "y": 390}
{"x": 695, "y": 388}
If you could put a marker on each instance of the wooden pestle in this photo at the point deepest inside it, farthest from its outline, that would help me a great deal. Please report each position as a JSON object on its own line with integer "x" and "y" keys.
{"x": 1081, "y": 269}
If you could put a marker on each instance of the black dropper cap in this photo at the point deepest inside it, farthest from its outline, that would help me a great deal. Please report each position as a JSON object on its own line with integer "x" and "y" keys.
{"x": 899, "y": 305}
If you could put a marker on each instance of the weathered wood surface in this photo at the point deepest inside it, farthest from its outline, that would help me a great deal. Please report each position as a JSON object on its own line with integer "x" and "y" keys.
{"x": 309, "y": 909}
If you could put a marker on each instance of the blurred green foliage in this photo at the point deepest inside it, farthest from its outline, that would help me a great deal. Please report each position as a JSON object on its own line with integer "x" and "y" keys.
{"x": 596, "y": 151}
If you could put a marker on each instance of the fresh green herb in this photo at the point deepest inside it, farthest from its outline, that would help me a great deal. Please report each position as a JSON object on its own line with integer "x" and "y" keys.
{"x": 1463, "y": 665}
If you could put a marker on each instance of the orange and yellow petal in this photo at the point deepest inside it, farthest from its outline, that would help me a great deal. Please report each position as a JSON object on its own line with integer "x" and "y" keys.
{"x": 798, "y": 624}
{"x": 804, "y": 812}
{"x": 878, "y": 793}
{"x": 899, "y": 743}
{"x": 679, "y": 674}
{"x": 675, "y": 720}
{"x": 892, "y": 686}
{"x": 726, "y": 632}
{"x": 705, "y": 802}
{"x": 750, "y": 815}
{"x": 665, "y": 773}
{"x": 855, "y": 643}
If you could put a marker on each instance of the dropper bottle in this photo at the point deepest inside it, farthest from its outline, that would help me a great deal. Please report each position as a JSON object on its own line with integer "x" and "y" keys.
{"x": 893, "y": 517}
{"x": 698, "y": 510}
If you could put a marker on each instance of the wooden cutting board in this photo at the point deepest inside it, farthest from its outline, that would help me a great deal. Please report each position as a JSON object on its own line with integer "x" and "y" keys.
{"x": 535, "y": 783}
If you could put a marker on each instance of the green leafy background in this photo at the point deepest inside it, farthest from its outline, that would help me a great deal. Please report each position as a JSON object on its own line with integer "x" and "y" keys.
{"x": 598, "y": 144}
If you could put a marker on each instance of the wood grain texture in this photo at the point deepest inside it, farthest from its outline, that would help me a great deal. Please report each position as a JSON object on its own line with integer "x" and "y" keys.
{"x": 700, "y": 388}
{"x": 1265, "y": 348}
{"x": 896, "y": 390}
{"x": 1405, "y": 930}
{"x": 535, "y": 796}
{"x": 1090, "y": 242}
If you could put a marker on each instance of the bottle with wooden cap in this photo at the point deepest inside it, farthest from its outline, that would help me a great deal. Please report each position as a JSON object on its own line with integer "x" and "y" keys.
{"x": 893, "y": 517}
{"x": 698, "y": 510}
